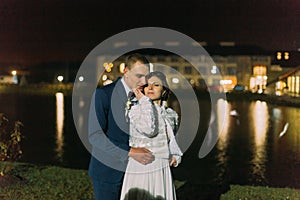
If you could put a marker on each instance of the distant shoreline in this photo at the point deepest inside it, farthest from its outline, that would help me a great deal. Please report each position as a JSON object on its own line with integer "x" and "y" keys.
{"x": 67, "y": 89}
{"x": 272, "y": 99}
{"x": 37, "y": 89}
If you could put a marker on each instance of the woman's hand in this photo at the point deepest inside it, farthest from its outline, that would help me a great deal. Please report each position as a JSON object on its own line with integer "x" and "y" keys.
{"x": 138, "y": 93}
{"x": 173, "y": 162}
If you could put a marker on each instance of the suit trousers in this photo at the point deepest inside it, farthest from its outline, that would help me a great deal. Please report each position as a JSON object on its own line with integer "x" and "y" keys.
{"x": 106, "y": 191}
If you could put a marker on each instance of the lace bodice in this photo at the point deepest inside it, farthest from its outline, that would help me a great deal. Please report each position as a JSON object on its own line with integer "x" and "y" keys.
{"x": 151, "y": 126}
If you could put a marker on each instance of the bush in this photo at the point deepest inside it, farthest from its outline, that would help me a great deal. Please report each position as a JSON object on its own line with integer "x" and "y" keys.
{"x": 10, "y": 147}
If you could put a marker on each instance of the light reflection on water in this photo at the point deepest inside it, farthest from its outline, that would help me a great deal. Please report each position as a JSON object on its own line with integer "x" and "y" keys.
{"x": 258, "y": 119}
{"x": 293, "y": 132}
{"x": 259, "y": 123}
{"x": 223, "y": 108}
{"x": 59, "y": 125}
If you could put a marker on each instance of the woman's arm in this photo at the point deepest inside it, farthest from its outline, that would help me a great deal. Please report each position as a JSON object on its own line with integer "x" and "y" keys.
{"x": 171, "y": 119}
{"x": 144, "y": 117}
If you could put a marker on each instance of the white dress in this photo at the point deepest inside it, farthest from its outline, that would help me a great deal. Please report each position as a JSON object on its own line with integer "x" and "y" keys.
{"x": 151, "y": 127}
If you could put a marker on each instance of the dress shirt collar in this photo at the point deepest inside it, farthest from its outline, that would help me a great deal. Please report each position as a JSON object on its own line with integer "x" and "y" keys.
{"x": 127, "y": 89}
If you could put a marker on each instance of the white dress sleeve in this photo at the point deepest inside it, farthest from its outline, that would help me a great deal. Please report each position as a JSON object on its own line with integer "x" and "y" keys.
{"x": 144, "y": 118}
{"x": 171, "y": 119}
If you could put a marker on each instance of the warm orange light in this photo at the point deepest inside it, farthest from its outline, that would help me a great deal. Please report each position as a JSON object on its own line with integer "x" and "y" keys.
{"x": 122, "y": 67}
{"x": 14, "y": 72}
{"x": 108, "y": 66}
{"x": 279, "y": 55}
{"x": 286, "y": 55}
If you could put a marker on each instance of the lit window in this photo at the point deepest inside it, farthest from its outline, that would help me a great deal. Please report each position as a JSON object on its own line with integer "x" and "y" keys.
{"x": 279, "y": 55}
{"x": 286, "y": 55}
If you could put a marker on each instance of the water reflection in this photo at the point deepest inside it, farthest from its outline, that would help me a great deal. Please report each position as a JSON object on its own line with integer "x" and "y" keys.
{"x": 224, "y": 126}
{"x": 80, "y": 117}
{"x": 59, "y": 124}
{"x": 293, "y": 132}
{"x": 223, "y": 109}
{"x": 259, "y": 122}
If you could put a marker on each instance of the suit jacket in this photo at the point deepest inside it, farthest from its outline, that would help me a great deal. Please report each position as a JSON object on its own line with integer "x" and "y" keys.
{"x": 108, "y": 133}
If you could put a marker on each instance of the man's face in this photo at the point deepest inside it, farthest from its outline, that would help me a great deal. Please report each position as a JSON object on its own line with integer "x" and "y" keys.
{"x": 135, "y": 77}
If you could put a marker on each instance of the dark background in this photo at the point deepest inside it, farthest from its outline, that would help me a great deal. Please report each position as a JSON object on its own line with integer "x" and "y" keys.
{"x": 35, "y": 31}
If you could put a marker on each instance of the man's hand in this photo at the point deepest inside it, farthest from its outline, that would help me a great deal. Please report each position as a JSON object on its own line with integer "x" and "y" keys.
{"x": 142, "y": 155}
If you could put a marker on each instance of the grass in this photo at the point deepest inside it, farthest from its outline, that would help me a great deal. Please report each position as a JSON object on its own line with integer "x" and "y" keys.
{"x": 51, "y": 182}
{"x": 48, "y": 182}
{"x": 260, "y": 193}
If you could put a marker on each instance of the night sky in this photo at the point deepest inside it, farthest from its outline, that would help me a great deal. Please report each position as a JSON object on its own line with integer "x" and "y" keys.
{"x": 33, "y": 31}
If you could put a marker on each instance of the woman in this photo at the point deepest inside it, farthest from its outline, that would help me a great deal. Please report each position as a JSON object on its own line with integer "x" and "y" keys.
{"x": 151, "y": 126}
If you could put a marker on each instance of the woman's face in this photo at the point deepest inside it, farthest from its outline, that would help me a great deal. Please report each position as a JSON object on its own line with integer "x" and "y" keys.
{"x": 154, "y": 88}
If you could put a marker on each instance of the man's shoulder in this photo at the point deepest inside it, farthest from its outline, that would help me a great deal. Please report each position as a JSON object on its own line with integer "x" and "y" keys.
{"x": 108, "y": 88}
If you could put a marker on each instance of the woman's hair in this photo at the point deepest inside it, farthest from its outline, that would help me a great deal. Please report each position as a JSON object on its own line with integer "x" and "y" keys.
{"x": 162, "y": 77}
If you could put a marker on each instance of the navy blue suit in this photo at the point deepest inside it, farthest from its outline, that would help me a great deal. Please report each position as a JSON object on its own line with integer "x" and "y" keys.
{"x": 108, "y": 135}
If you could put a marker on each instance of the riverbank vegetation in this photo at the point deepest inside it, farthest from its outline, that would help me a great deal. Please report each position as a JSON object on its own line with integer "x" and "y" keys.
{"x": 27, "y": 181}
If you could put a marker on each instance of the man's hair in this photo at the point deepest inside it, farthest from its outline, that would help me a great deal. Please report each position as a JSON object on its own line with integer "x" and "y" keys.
{"x": 133, "y": 58}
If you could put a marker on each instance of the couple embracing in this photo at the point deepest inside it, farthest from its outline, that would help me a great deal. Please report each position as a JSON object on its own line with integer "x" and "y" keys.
{"x": 134, "y": 146}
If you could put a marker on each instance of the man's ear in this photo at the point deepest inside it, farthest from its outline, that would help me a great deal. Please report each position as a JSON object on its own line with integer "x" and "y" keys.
{"x": 125, "y": 70}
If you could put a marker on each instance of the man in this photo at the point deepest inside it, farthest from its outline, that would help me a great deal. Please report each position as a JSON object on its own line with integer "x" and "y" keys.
{"x": 110, "y": 140}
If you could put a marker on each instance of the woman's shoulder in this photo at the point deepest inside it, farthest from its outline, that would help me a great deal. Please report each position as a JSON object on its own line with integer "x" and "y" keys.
{"x": 170, "y": 112}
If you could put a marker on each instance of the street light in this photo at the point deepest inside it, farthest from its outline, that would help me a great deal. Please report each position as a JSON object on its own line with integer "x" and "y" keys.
{"x": 14, "y": 72}
{"x": 60, "y": 78}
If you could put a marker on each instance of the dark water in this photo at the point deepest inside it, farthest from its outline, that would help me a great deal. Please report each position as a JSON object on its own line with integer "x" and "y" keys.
{"x": 50, "y": 134}
{"x": 249, "y": 150}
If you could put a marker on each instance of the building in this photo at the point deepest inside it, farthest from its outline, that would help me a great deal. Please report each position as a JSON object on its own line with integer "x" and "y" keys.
{"x": 224, "y": 66}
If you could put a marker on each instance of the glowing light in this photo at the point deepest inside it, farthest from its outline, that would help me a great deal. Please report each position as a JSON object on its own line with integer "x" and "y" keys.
{"x": 108, "y": 66}
{"x": 81, "y": 78}
{"x": 286, "y": 55}
{"x": 223, "y": 108}
{"x": 260, "y": 121}
{"x": 122, "y": 67}
{"x": 225, "y": 82}
{"x": 14, "y": 72}
{"x": 213, "y": 69}
{"x": 260, "y": 118}
{"x": 175, "y": 80}
{"x": 151, "y": 67}
{"x": 279, "y": 55}
{"x": 60, "y": 78}
{"x": 107, "y": 82}
{"x": 59, "y": 124}
{"x": 104, "y": 77}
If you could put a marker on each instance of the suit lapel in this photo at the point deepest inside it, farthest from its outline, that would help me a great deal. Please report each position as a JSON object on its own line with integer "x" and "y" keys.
{"x": 118, "y": 102}
{"x": 120, "y": 91}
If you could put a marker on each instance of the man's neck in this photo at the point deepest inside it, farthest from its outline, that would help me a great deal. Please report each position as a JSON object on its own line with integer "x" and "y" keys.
{"x": 127, "y": 88}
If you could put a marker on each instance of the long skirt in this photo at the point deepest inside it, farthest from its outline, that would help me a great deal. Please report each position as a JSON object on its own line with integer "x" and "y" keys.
{"x": 148, "y": 182}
